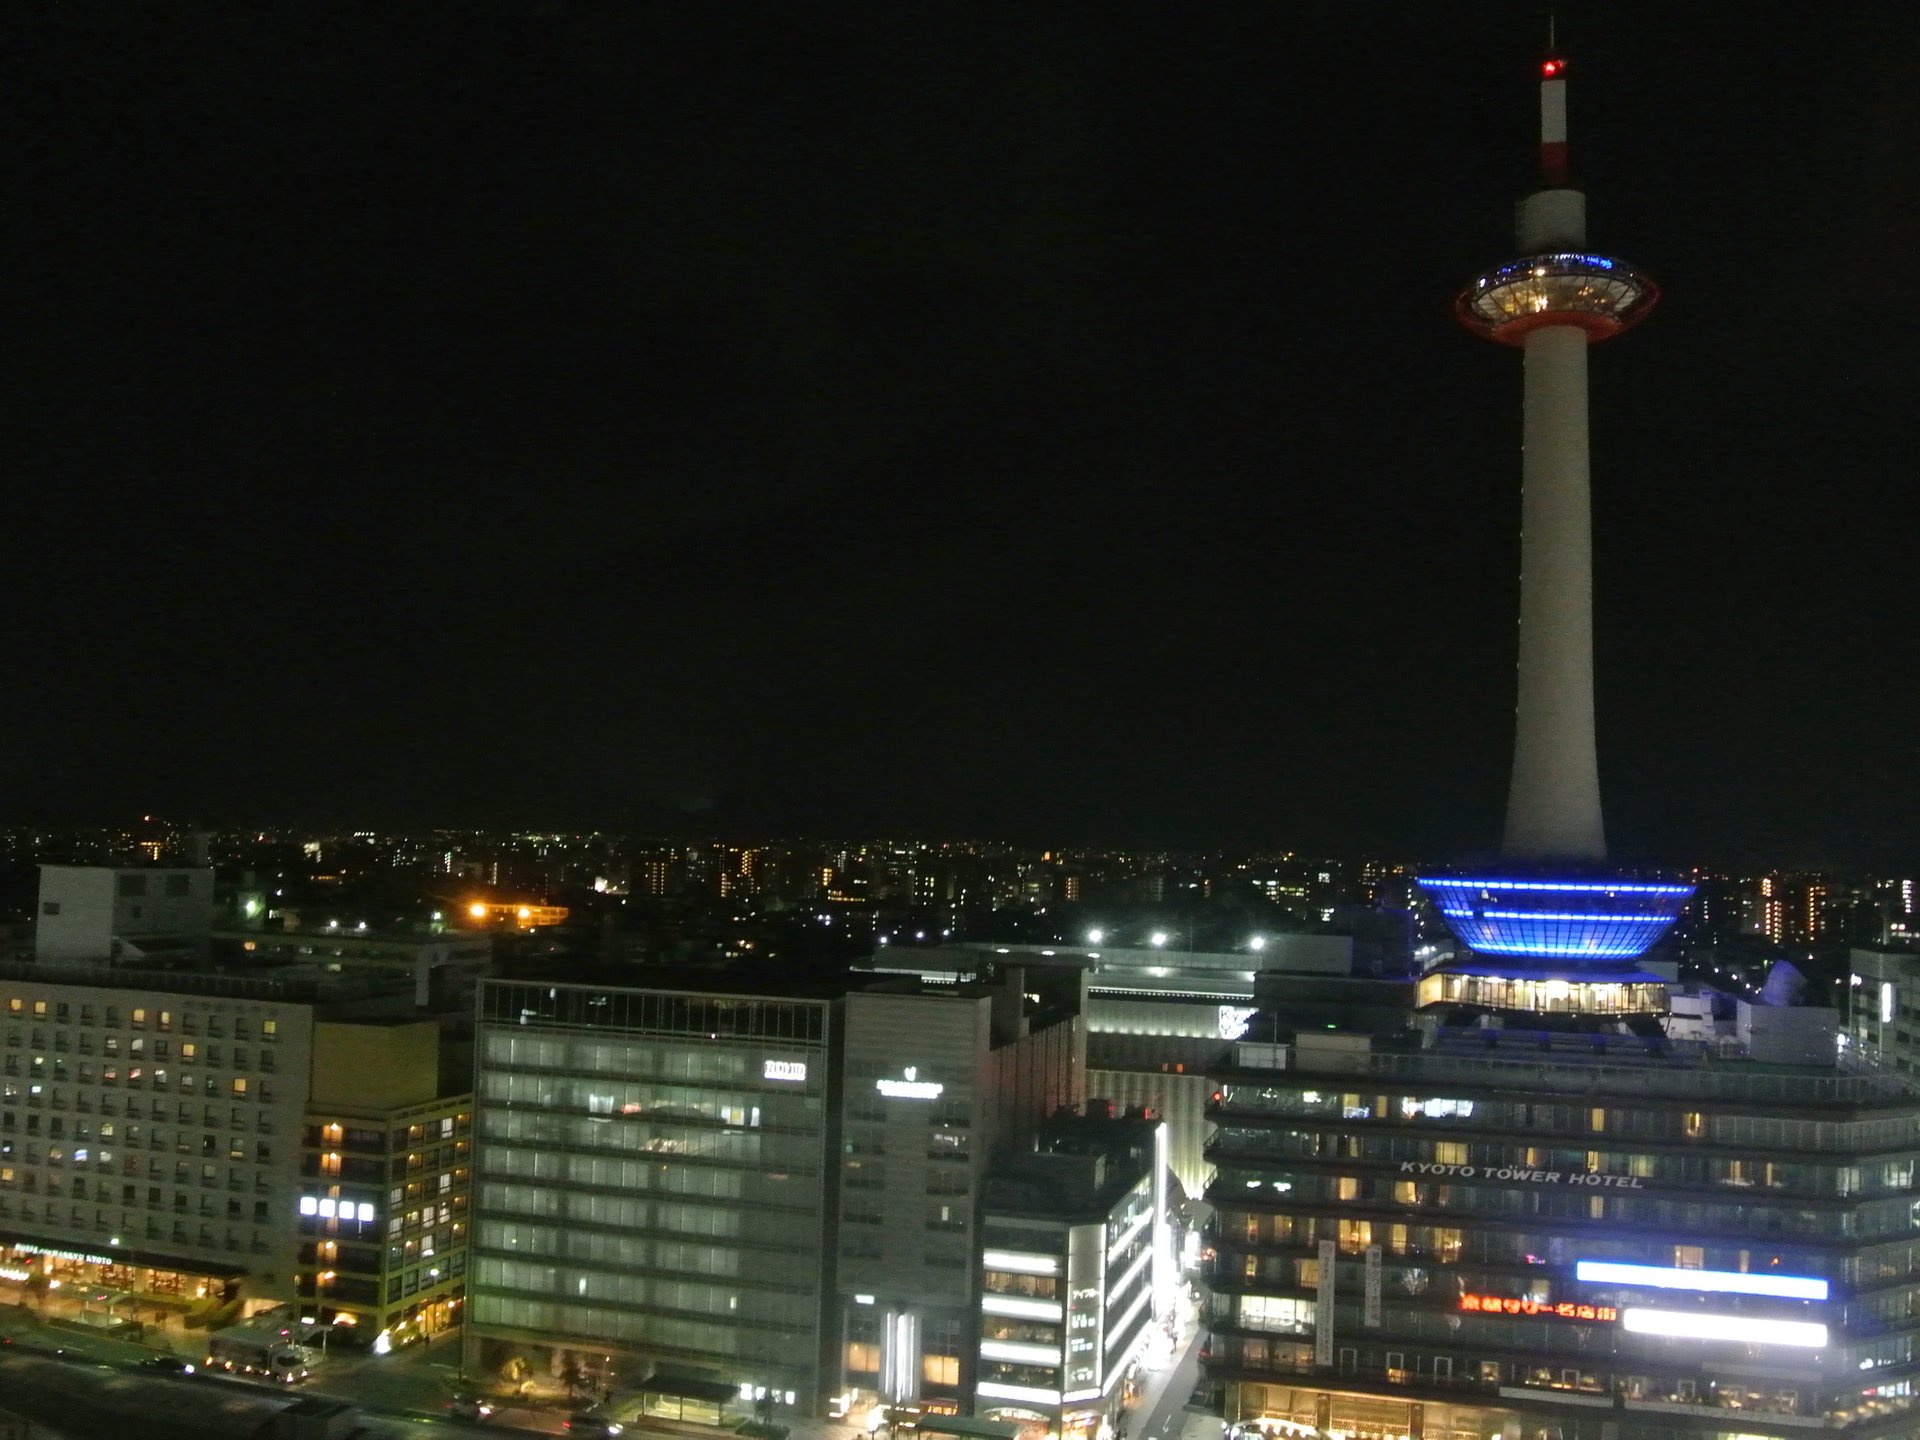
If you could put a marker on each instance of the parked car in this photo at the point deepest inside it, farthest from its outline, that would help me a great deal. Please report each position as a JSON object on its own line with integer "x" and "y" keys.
{"x": 167, "y": 1365}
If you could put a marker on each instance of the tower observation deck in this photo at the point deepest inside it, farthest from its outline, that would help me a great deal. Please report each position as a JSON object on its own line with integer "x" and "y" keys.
{"x": 1553, "y": 919}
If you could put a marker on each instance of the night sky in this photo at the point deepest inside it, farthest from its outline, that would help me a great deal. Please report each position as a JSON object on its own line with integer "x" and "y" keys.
{"x": 1035, "y": 420}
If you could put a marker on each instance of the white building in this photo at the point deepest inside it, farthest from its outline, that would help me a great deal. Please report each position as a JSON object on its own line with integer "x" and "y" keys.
{"x": 95, "y": 912}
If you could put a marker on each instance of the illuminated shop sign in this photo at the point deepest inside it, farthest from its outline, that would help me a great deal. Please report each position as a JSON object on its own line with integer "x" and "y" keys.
{"x": 910, "y": 1087}
{"x": 1726, "y": 1282}
{"x": 783, "y": 1070}
{"x": 1506, "y": 1305}
{"x": 1523, "y": 1175}
{"x": 84, "y": 1256}
{"x": 1691, "y": 1325}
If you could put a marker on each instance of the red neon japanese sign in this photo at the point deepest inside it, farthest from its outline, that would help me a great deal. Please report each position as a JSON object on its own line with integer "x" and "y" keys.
{"x": 1502, "y": 1305}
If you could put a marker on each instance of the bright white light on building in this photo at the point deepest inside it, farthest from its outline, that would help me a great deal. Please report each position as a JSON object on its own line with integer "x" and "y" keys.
{"x": 1726, "y": 1282}
{"x": 1691, "y": 1325}
{"x": 1258, "y": 942}
{"x": 783, "y": 1070}
{"x": 1018, "y": 1308}
{"x": 1020, "y": 1263}
{"x": 1095, "y": 936}
{"x": 1159, "y": 937}
{"x": 911, "y": 1087}
{"x": 1889, "y": 1003}
{"x": 309, "y": 1205}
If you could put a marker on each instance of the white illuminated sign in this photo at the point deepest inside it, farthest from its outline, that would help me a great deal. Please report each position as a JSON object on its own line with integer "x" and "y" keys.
{"x": 1020, "y": 1262}
{"x": 783, "y": 1070}
{"x": 1889, "y": 1006}
{"x": 1691, "y": 1325}
{"x": 910, "y": 1087}
{"x": 1234, "y": 1020}
{"x": 85, "y": 1256}
{"x": 1728, "y": 1282}
{"x": 1523, "y": 1174}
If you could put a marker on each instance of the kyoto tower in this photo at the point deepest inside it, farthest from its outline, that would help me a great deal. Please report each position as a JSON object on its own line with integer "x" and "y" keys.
{"x": 1553, "y": 900}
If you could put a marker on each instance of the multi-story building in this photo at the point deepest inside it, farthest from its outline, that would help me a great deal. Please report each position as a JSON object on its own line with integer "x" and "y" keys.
{"x": 937, "y": 1079}
{"x": 1077, "y": 1273}
{"x": 1883, "y": 1007}
{"x": 1156, "y": 1016}
{"x": 386, "y": 1160}
{"x": 150, "y": 1127}
{"x": 1541, "y": 1239}
{"x": 96, "y": 912}
{"x": 655, "y": 1182}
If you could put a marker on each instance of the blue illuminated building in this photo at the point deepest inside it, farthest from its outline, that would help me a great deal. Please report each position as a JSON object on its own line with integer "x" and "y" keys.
{"x": 1556, "y": 919}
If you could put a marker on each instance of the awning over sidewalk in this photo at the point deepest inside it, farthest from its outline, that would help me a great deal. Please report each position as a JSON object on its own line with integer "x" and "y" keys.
{"x": 687, "y": 1387}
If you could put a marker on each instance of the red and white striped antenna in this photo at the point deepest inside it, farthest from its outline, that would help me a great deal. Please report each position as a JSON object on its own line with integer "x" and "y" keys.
{"x": 1553, "y": 111}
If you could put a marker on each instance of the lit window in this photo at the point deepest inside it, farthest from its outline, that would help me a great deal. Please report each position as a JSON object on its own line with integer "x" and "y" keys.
{"x": 309, "y": 1205}
{"x": 239, "y": 1084}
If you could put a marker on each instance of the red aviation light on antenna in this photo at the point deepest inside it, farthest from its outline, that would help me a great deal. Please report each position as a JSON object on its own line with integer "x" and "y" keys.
{"x": 1552, "y": 69}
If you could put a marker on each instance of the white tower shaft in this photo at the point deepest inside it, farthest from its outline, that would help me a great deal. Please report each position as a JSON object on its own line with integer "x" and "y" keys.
{"x": 1553, "y": 804}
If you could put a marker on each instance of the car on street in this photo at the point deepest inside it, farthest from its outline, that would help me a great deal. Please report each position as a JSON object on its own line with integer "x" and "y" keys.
{"x": 585, "y": 1422}
{"x": 469, "y": 1407}
{"x": 167, "y": 1365}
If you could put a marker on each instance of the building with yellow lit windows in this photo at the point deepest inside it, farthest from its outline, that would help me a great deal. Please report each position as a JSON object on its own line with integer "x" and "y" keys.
{"x": 386, "y": 1157}
{"x": 515, "y": 914}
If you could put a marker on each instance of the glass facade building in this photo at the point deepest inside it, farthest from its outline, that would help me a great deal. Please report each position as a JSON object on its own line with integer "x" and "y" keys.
{"x": 1458, "y": 1246}
{"x": 653, "y": 1184}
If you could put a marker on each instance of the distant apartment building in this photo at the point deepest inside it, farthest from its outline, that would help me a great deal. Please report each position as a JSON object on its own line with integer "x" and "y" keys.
{"x": 936, "y": 1081}
{"x": 654, "y": 1183}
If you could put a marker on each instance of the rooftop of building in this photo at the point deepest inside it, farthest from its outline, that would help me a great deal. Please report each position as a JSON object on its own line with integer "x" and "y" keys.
{"x": 333, "y": 997}
{"x": 1082, "y": 1166}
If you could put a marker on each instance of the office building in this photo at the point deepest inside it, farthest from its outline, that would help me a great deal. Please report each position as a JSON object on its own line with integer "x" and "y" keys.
{"x": 1156, "y": 1016}
{"x": 655, "y": 1178}
{"x": 1077, "y": 1273}
{"x": 938, "y": 1079}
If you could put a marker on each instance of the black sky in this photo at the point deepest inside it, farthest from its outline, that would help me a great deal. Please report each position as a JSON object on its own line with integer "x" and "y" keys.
{"x": 1043, "y": 420}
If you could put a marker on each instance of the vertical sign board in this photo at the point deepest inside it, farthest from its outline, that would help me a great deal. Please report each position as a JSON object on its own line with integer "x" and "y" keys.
{"x": 1371, "y": 1315}
{"x": 1323, "y": 1306}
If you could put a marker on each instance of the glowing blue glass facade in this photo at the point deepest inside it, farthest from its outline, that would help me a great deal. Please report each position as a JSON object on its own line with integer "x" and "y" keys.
{"x": 1556, "y": 919}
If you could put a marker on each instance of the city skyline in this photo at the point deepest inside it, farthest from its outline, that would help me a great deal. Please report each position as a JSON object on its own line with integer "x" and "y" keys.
{"x": 900, "y": 421}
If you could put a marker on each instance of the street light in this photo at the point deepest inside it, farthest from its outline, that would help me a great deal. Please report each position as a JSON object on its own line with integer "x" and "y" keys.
{"x": 1159, "y": 938}
{"x": 1095, "y": 936}
{"x": 1258, "y": 942}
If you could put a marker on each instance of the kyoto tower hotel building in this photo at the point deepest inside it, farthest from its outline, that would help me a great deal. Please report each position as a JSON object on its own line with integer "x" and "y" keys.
{"x": 1551, "y": 1206}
